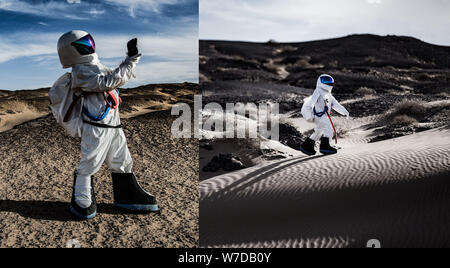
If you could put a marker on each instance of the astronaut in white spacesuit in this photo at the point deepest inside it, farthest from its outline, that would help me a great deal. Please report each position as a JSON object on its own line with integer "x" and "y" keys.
{"x": 102, "y": 137}
{"x": 317, "y": 109}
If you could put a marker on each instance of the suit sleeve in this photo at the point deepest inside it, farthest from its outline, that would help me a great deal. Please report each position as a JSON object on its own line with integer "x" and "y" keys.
{"x": 90, "y": 81}
{"x": 339, "y": 108}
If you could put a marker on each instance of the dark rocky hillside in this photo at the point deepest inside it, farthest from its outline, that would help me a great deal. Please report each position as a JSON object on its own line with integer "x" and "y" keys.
{"x": 382, "y": 63}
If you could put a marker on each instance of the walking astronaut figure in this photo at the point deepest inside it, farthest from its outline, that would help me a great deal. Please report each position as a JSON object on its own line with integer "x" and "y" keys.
{"x": 317, "y": 109}
{"x": 102, "y": 138}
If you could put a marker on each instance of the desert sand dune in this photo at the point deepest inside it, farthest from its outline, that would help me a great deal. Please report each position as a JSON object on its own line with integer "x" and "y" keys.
{"x": 395, "y": 191}
{"x": 14, "y": 112}
{"x": 9, "y": 121}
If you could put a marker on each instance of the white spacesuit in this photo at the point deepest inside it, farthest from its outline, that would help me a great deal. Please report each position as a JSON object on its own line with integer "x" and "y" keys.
{"x": 317, "y": 109}
{"x": 102, "y": 138}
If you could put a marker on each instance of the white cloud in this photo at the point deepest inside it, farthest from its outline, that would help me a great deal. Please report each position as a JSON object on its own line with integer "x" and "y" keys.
{"x": 374, "y": 1}
{"x": 9, "y": 53}
{"x": 96, "y": 12}
{"x": 177, "y": 57}
{"x": 19, "y": 45}
{"x": 109, "y": 47}
{"x": 5, "y": 4}
{"x": 48, "y": 9}
{"x": 175, "y": 47}
{"x": 166, "y": 59}
{"x": 55, "y": 8}
{"x": 143, "y": 5}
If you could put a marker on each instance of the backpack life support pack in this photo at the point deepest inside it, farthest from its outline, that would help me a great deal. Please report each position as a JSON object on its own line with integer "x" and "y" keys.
{"x": 307, "y": 113}
{"x": 66, "y": 105}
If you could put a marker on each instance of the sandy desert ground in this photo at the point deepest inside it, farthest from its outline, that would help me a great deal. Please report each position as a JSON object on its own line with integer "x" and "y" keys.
{"x": 396, "y": 191}
{"x": 388, "y": 182}
{"x": 38, "y": 161}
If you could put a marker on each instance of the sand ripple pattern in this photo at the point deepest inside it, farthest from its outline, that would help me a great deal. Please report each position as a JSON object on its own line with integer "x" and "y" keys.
{"x": 394, "y": 191}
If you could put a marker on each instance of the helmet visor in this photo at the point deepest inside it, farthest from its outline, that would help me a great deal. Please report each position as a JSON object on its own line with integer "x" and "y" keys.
{"x": 85, "y": 45}
{"x": 327, "y": 80}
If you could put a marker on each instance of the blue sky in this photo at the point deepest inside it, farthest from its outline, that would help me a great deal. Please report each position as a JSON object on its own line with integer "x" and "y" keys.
{"x": 305, "y": 20}
{"x": 167, "y": 31}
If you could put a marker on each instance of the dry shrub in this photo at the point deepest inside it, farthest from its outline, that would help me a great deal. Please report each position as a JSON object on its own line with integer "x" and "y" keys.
{"x": 412, "y": 108}
{"x": 403, "y": 120}
{"x": 406, "y": 113}
{"x": 365, "y": 91}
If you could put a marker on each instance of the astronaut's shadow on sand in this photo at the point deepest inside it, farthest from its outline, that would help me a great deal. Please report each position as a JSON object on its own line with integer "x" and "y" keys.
{"x": 52, "y": 211}
{"x": 262, "y": 174}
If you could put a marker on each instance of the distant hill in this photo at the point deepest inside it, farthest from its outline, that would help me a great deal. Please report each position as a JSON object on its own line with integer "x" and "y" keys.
{"x": 147, "y": 95}
{"x": 17, "y": 107}
{"x": 383, "y": 63}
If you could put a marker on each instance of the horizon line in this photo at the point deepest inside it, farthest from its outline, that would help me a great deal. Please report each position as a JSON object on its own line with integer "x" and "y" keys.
{"x": 319, "y": 40}
{"x": 151, "y": 84}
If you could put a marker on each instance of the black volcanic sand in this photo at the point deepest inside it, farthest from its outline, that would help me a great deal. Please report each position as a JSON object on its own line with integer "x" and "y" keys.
{"x": 37, "y": 164}
{"x": 390, "y": 69}
{"x": 381, "y": 63}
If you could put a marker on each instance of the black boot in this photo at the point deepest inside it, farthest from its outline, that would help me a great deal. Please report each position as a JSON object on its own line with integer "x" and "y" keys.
{"x": 129, "y": 195}
{"x": 83, "y": 213}
{"x": 308, "y": 147}
{"x": 325, "y": 147}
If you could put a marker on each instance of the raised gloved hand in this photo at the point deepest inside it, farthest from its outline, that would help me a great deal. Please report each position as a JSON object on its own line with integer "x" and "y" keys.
{"x": 132, "y": 47}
